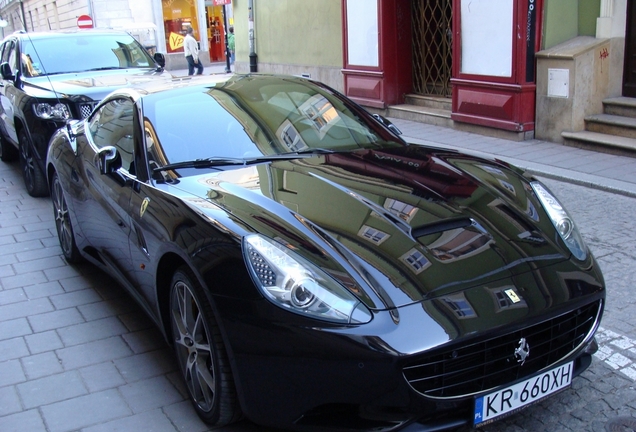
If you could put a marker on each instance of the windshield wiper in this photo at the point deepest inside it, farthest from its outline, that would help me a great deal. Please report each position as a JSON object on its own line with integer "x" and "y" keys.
{"x": 223, "y": 161}
{"x": 104, "y": 68}
{"x": 201, "y": 163}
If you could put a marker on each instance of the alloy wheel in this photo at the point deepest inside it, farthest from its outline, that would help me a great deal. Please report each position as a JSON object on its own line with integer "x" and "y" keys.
{"x": 192, "y": 343}
{"x": 62, "y": 220}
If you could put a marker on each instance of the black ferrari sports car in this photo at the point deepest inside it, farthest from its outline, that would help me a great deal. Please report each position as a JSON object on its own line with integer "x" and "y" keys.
{"x": 314, "y": 271}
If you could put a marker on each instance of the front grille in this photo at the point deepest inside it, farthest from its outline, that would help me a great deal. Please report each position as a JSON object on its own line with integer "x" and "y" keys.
{"x": 86, "y": 108}
{"x": 486, "y": 364}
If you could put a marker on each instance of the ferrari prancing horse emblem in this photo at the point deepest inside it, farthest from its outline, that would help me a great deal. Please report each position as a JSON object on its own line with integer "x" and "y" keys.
{"x": 522, "y": 351}
{"x": 144, "y": 206}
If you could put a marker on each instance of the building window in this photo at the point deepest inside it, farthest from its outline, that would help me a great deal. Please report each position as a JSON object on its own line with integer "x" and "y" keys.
{"x": 402, "y": 210}
{"x": 373, "y": 235}
{"x": 178, "y": 15}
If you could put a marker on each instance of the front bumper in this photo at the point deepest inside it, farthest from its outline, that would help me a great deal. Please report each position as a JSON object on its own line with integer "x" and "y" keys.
{"x": 291, "y": 375}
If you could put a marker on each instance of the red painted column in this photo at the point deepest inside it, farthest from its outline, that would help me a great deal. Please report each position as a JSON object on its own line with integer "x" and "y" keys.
{"x": 377, "y": 51}
{"x": 500, "y": 100}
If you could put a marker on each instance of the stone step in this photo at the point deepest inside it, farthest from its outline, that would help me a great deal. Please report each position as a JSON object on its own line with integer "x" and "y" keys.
{"x": 612, "y": 125}
{"x": 622, "y": 106}
{"x": 436, "y": 102}
{"x": 601, "y": 142}
{"x": 427, "y": 115}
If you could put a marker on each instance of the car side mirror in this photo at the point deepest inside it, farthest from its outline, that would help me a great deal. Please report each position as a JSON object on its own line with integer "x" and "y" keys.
{"x": 387, "y": 123}
{"x": 160, "y": 59}
{"x": 5, "y": 71}
{"x": 108, "y": 160}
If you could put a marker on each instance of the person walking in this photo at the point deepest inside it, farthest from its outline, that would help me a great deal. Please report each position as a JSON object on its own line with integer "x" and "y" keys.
{"x": 231, "y": 44}
{"x": 191, "y": 50}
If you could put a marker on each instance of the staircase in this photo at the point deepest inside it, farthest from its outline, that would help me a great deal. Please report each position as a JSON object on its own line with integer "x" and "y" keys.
{"x": 614, "y": 131}
{"x": 435, "y": 110}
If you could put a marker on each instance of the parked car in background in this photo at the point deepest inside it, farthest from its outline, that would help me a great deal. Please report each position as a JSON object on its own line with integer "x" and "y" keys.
{"x": 314, "y": 271}
{"x": 50, "y": 77}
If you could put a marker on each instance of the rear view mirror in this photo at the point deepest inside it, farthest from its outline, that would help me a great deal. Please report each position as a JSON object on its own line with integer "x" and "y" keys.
{"x": 5, "y": 71}
{"x": 160, "y": 59}
{"x": 108, "y": 160}
{"x": 387, "y": 123}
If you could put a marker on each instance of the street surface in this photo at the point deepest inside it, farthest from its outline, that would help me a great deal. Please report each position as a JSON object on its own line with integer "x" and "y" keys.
{"x": 76, "y": 354}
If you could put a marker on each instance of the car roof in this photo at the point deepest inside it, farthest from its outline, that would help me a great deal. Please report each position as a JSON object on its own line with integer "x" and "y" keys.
{"x": 190, "y": 83}
{"x": 67, "y": 33}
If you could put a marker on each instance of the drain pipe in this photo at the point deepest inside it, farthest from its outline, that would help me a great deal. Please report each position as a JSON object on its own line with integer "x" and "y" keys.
{"x": 250, "y": 16}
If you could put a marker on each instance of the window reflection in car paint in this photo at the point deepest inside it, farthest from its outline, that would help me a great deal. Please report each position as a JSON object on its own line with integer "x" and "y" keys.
{"x": 240, "y": 119}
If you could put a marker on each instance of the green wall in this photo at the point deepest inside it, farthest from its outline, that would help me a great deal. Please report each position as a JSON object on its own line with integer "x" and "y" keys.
{"x": 291, "y": 31}
{"x": 589, "y": 10}
{"x": 566, "y": 19}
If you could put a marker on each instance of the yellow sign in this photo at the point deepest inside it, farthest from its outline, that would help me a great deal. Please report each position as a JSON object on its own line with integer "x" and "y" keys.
{"x": 512, "y": 295}
{"x": 176, "y": 41}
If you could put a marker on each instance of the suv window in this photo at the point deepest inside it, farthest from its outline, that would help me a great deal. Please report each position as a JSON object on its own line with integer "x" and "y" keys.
{"x": 82, "y": 52}
{"x": 9, "y": 55}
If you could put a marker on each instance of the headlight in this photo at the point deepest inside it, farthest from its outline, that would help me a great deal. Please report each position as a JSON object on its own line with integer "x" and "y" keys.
{"x": 293, "y": 283}
{"x": 561, "y": 221}
{"x": 46, "y": 111}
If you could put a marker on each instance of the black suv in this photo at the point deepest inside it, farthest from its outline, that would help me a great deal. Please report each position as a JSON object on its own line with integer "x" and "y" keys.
{"x": 50, "y": 77}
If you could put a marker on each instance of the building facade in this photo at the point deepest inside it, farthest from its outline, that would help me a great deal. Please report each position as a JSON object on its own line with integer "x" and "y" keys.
{"x": 158, "y": 24}
{"x": 488, "y": 58}
{"x": 526, "y": 68}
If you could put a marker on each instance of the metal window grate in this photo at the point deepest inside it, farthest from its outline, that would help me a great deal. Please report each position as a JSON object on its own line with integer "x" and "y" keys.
{"x": 432, "y": 42}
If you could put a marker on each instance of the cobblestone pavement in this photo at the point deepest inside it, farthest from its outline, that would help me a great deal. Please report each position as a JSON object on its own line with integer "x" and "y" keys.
{"x": 76, "y": 354}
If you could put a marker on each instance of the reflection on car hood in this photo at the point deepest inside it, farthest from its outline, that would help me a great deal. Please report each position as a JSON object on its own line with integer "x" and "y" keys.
{"x": 95, "y": 84}
{"x": 411, "y": 224}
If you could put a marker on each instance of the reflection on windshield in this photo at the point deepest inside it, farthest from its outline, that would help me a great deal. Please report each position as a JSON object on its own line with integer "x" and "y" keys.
{"x": 82, "y": 52}
{"x": 247, "y": 117}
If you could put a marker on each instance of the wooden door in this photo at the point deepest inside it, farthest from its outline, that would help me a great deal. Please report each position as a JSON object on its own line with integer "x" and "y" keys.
{"x": 629, "y": 72}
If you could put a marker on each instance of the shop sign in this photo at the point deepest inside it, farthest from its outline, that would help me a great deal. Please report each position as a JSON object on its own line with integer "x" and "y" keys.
{"x": 176, "y": 41}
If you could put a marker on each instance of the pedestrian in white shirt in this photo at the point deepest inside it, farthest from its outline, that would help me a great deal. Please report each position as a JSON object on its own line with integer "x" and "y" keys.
{"x": 191, "y": 50}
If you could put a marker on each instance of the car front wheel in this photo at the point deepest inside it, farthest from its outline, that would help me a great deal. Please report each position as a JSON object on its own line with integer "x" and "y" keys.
{"x": 200, "y": 351}
{"x": 34, "y": 179}
{"x": 63, "y": 223}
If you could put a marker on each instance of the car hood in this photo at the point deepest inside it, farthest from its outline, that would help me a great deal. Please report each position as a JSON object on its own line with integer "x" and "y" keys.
{"x": 95, "y": 84}
{"x": 401, "y": 225}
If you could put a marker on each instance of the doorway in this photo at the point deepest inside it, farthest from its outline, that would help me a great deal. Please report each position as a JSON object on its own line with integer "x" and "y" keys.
{"x": 432, "y": 42}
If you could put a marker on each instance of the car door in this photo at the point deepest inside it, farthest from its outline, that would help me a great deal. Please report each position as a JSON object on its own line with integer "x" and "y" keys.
{"x": 7, "y": 91}
{"x": 103, "y": 205}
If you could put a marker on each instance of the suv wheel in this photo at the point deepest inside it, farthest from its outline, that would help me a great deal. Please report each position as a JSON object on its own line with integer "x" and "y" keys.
{"x": 8, "y": 153}
{"x": 34, "y": 179}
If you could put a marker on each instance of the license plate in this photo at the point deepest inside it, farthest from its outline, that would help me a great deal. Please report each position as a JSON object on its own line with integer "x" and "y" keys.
{"x": 510, "y": 399}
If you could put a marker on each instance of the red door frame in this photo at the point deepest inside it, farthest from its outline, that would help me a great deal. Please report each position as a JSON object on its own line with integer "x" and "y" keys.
{"x": 501, "y": 102}
{"x": 389, "y": 82}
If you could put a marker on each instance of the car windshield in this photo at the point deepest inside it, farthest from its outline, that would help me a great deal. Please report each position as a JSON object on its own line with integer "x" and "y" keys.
{"x": 248, "y": 117}
{"x": 82, "y": 52}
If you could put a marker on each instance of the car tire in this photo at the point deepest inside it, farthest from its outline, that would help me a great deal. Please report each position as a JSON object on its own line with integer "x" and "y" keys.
{"x": 63, "y": 224}
{"x": 8, "y": 153}
{"x": 200, "y": 351}
{"x": 34, "y": 179}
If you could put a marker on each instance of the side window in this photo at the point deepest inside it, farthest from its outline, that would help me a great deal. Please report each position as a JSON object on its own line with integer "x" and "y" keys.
{"x": 112, "y": 125}
{"x": 6, "y": 48}
{"x": 12, "y": 57}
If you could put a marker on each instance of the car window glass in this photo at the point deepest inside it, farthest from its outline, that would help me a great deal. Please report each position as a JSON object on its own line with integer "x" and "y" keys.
{"x": 83, "y": 52}
{"x": 6, "y": 48}
{"x": 196, "y": 126}
{"x": 11, "y": 58}
{"x": 112, "y": 125}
